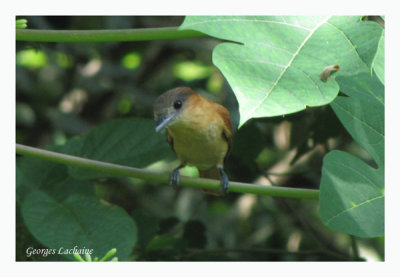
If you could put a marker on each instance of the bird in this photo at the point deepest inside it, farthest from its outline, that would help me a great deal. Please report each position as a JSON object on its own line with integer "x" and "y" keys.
{"x": 198, "y": 130}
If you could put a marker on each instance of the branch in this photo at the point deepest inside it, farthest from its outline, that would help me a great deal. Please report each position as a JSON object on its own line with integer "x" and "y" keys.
{"x": 163, "y": 178}
{"x": 104, "y": 35}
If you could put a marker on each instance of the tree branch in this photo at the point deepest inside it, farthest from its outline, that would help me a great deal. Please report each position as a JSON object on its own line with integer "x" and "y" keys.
{"x": 163, "y": 178}
{"x": 104, "y": 35}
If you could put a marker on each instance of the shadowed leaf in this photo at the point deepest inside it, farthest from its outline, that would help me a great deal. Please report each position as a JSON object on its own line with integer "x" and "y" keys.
{"x": 352, "y": 192}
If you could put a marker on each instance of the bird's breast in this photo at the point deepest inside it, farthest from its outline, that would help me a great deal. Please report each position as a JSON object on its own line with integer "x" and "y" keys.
{"x": 198, "y": 141}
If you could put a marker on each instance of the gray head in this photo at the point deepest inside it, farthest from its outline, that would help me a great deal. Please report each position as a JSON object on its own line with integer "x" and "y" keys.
{"x": 169, "y": 105}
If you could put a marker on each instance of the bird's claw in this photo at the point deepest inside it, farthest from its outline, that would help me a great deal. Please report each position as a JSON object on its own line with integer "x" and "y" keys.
{"x": 174, "y": 178}
{"x": 224, "y": 188}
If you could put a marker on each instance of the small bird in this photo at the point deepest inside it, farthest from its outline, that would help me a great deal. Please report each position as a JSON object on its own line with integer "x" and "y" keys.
{"x": 198, "y": 130}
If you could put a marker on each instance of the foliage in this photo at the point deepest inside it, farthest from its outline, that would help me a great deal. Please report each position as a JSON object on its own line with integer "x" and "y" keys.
{"x": 352, "y": 192}
{"x": 276, "y": 70}
{"x": 95, "y": 101}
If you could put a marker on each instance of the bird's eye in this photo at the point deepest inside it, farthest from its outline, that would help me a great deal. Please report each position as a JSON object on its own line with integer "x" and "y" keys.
{"x": 177, "y": 104}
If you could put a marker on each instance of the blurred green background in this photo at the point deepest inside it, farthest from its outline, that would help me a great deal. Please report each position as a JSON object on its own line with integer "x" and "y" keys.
{"x": 65, "y": 89}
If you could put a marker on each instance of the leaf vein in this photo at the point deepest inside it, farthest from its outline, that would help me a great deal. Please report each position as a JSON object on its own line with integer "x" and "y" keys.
{"x": 353, "y": 207}
{"x": 251, "y": 61}
{"x": 350, "y": 42}
{"x": 186, "y": 25}
{"x": 357, "y": 118}
{"x": 358, "y": 173}
{"x": 248, "y": 115}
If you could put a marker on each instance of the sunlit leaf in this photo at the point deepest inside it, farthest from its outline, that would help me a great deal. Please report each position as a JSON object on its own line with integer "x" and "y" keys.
{"x": 275, "y": 65}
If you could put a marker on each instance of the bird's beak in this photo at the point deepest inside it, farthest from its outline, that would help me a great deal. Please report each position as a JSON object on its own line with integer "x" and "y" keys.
{"x": 163, "y": 120}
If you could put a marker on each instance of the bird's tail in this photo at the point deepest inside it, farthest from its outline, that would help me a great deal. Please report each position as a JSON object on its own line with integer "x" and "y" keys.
{"x": 211, "y": 173}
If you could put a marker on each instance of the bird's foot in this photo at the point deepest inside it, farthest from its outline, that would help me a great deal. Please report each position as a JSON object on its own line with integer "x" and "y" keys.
{"x": 174, "y": 178}
{"x": 224, "y": 188}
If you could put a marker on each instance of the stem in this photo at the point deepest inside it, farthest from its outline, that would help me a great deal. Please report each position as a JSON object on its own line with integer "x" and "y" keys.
{"x": 104, "y": 35}
{"x": 163, "y": 178}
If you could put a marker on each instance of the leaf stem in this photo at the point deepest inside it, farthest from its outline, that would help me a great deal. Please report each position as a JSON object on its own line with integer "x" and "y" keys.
{"x": 104, "y": 35}
{"x": 163, "y": 178}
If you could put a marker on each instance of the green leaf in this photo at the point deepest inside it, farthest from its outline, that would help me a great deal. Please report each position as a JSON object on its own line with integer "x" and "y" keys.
{"x": 379, "y": 61}
{"x": 81, "y": 221}
{"x": 351, "y": 196}
{"x": 352, "y": 192}
{"x": 131, "y": 142}
{"x": 362, "y": 114}
{"x": 276, "y": 70}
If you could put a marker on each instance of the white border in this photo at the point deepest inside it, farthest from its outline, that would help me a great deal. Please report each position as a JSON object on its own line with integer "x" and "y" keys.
{"x": 204, "y": 7}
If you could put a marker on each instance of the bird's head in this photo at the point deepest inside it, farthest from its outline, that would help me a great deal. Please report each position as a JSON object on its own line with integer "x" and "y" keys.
{"x": 169, "y": 105}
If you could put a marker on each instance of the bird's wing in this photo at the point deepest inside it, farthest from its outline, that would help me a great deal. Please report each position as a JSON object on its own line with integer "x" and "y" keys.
{"x": 227, "y": 130}
{"x": 228, "y": 137}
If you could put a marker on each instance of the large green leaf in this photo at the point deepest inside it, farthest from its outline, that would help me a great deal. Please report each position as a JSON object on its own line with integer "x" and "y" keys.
{"x": 352, "y": 192}
{"x": 276, "y": 67}
{"x": 131, "y": 142}
{"x": 80, "y": 221}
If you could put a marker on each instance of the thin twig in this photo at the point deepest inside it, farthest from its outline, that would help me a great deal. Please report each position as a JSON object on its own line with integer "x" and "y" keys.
{"x": 163, "y": 178}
